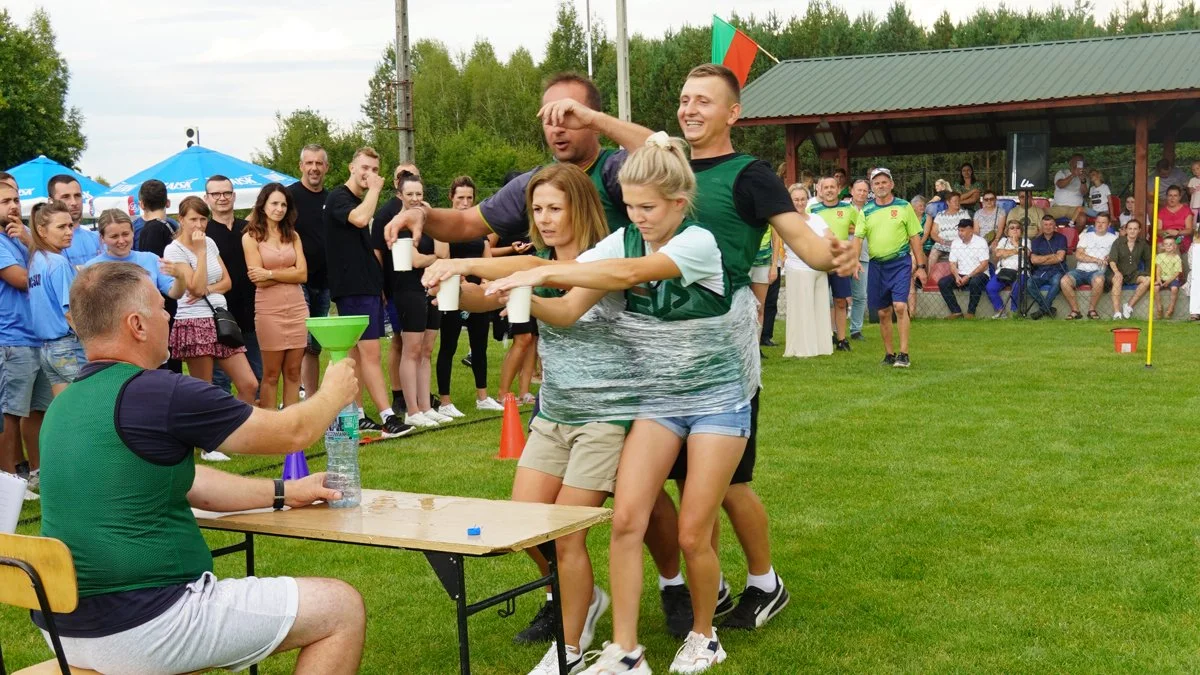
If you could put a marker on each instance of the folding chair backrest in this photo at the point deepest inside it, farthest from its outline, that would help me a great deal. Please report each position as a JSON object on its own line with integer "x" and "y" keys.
{"x": 51, "y": 559}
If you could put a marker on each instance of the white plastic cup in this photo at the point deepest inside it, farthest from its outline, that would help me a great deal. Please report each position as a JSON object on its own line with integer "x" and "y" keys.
{"x": 402, "y": 255}
{"x": 447, "y": 295}
{"x": 519, "y": 300}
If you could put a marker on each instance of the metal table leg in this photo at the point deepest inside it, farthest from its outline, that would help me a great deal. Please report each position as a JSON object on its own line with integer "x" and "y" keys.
{"x": 550, "y": 552}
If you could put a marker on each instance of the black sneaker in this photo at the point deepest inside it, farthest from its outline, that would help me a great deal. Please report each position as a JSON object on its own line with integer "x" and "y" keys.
{"x": 677, "y": 607}
{"x": 835, "y": 340}
{"x": 434, "y": 401}
{"x": 23, "y": 470}
{"x": 541, "y": 629}
{"x": 724, "y": 603}
{"x": 889, "y": 360}
{"x": 768, "y": 343}
{"x": 756, "y": 607}
{"x": 466, "y": 360}
{"x": 394, "y": 427}
{"x": 842, "y": 345}
{"x": 1036, "y": 314}
{"x": 901, "y": 361}
{"x": 857, "y": 335}
{"x": 368, "y": 425}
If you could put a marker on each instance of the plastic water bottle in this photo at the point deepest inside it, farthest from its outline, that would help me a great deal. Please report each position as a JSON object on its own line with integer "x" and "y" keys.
{"x": 341, "y": 451}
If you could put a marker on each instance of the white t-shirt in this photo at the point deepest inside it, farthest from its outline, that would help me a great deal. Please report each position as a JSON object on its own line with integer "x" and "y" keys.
{"x": 1097, "y": 246}
{"x": 791, "y": 261}
{"x": 694, "y": 251}
{"x": 1008, "y": 262}
{"x": 177, "y": 252}
{"x": 1070, "y": 195}
{"x": 1098, "y": 197}
{"x": 947, "y": 227}
{"x": 1194, "y": 188}
{"x": 967, "y": 255}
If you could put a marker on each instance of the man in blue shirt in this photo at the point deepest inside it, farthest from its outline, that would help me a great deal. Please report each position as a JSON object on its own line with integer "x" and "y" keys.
{"x": 24, "y": 389}
{"x": 1047, "y": 256}
{"x": 85, "y": 244}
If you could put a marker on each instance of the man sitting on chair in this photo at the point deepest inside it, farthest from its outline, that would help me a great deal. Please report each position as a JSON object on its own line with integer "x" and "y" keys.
{"x": 118, "y": 490}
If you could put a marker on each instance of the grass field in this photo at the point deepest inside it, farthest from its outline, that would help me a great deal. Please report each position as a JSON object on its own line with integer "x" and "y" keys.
{"x": 1022, "y": 500}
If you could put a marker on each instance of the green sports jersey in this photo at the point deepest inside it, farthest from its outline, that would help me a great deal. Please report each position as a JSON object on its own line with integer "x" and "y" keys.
{"x": 887, "y": 228}
{"x": 670, "y": 299}
{"x": 715, "y": 210}
{"x": 764, "y": 250}
{"x": 842, "y": 219}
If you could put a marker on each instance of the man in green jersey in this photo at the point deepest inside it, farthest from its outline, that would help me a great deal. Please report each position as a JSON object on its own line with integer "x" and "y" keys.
{"x": 893, "y": 233}
{"x": 844, "y": 220}
{"x": 119, "y": 489}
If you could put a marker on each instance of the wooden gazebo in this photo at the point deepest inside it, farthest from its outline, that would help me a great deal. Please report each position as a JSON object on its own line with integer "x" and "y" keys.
{"x": 1125, "y": 90}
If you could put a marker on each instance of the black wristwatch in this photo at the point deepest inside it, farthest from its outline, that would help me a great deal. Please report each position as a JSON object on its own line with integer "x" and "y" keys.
{"x": 278, "y": 505}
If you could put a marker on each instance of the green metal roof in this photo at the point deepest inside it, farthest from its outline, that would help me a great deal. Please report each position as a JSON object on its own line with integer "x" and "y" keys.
{"x": 982, "y": 76}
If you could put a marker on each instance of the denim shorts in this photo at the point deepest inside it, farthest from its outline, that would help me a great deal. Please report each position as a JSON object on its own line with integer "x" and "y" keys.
{"x": 23, "y": 385}
{"x": 734, "y": 423}
{"x": 1082, "y": 278}
{"x": 61, "y": 359}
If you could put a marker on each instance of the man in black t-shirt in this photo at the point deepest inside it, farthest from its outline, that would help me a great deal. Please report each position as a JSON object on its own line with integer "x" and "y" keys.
{"x": 157, "y": 232}
{"x": 356, "y": 279}
{"x": 226, "y": 232}
{"x": 308, "y": 196}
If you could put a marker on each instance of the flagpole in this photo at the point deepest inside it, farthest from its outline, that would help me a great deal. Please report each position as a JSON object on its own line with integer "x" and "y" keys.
{"x": 769, "y": 55}
{"x": 622, "y": 64}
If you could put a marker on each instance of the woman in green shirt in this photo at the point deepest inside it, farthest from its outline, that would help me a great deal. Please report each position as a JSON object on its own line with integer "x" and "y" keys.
{"x": 969, "y": 187}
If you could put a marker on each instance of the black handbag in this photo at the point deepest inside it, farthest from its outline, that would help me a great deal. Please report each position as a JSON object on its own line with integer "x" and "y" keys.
{"x": 1008, "y": 276}
{"x": 228, "y": 331}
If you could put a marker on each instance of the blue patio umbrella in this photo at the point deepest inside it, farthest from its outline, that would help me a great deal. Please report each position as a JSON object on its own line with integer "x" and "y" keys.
{"x": 33, "y": 175}
{"x": 185, "y": 173}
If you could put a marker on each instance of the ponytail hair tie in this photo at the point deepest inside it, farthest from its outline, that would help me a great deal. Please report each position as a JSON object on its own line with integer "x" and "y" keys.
{"x": 659, "y": 139}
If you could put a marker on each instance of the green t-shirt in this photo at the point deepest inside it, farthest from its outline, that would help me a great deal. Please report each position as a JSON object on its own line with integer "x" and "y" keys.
{"x": 887, "y": 228}
{"x": 842, "y": 219}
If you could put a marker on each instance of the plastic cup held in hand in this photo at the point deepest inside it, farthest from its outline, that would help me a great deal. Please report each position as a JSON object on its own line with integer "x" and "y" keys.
{"x": 447, "y": 295}
{"x": 402, "y": 255}
{"x": 519, "y": 300}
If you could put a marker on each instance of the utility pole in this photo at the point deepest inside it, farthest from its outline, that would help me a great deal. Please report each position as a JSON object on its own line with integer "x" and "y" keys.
{"x": 404, "y": 116}
{"x": 622, "y": 63}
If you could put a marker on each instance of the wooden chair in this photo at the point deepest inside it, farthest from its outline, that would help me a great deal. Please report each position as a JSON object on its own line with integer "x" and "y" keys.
{"x": 38, "y": 573}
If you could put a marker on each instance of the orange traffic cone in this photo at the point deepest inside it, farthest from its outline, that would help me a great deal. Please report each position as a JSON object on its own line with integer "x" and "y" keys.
{"x": 512, "y": 437}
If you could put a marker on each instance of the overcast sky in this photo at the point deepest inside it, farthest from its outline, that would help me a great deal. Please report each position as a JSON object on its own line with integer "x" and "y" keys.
{"x": 142, "y": 72}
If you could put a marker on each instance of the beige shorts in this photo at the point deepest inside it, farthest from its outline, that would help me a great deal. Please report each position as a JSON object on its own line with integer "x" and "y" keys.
{"x": 760, "y": 274}
{"x": 1063, "y": 211}
{"x": 583, "y": 456}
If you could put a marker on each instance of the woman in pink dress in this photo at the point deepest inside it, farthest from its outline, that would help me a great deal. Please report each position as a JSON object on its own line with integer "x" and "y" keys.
{"x": 275, "y": 263}
{"x": 1175, "y": 219}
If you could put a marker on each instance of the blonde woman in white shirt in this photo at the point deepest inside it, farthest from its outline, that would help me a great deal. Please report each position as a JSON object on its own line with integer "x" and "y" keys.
{"x": 1005, "y": 251}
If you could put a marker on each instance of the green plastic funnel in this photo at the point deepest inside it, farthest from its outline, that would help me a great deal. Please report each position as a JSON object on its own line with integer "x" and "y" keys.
{"x": 338, "y": 334}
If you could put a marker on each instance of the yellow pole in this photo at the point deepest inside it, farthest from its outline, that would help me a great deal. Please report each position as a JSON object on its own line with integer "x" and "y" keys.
{"x": 1153, "y": 274}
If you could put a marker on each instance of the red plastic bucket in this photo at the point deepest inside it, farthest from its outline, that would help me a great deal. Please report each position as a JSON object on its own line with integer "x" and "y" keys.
{"x": 1125, "y": 340}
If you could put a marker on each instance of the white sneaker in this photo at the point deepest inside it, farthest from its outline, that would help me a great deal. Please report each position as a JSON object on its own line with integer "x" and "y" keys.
{"x": 1127, "y": 310}
{"x": 303, "y": 394}
{"x": 214, "y": 456}
{"x": 419, "y": 420}
{"x": 1117, "y": 316}
{"x": 34, "y": 481}
{"x": 31, "y": 496}
{"x": 450, "y": 411}
{"x": 613, "y": 661}
{"x": 698, "y": 653}
{"x": 488, "y": 403}
{"x": 527, "y": 399}
{"x": 595, "y": 610}
{"x": 437, "y": 416}
{"x": 549, "y": 663}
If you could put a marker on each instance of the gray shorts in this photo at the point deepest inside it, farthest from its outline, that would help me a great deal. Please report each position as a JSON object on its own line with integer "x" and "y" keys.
{"x": 230, "y": 624}
{"x": 23, "y": 385}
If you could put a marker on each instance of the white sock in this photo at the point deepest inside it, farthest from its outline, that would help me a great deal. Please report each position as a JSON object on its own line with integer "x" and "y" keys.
{"x": 361, "y": 413}
{"x": 386, "y": 414}
{"x": 572, "y": 651}
{"x": 724, "y": 584}
{"x": 549, "y": 597}
{"x": 663, "y": 582}
{"x": 763, "y": 582}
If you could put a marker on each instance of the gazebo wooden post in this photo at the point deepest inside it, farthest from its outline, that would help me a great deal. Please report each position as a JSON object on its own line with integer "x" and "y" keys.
{"x": 791, "y": 167}
{"x": 1141, "y": 152}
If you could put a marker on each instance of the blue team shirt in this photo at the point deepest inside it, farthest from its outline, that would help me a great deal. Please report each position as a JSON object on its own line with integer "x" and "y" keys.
{"x": 1040, "y": 245}
{"x": 50, "y": 277}
{"x": 85, "y": 245}
{"x": 15, "y": 330}
{"x": 144, "y": 259}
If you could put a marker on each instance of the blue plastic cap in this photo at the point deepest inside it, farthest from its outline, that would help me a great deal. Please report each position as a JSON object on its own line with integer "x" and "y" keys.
{"x": 474, "y": 531}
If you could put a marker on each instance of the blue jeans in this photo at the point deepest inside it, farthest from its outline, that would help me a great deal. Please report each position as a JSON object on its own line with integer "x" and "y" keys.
{"x": 734, "y": 423}
{"x": 318, "y": 306}
{"x": 253, "y": 355}
{"x": 1047, "y": 283}
{"x": 858, "y": 294}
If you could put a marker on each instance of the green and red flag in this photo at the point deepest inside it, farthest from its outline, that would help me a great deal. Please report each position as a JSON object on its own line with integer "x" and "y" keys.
{"x": 733, "y": 49}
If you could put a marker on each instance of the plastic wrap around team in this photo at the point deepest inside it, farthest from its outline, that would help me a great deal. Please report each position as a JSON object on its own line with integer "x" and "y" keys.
{"x": 615, "y": 365}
